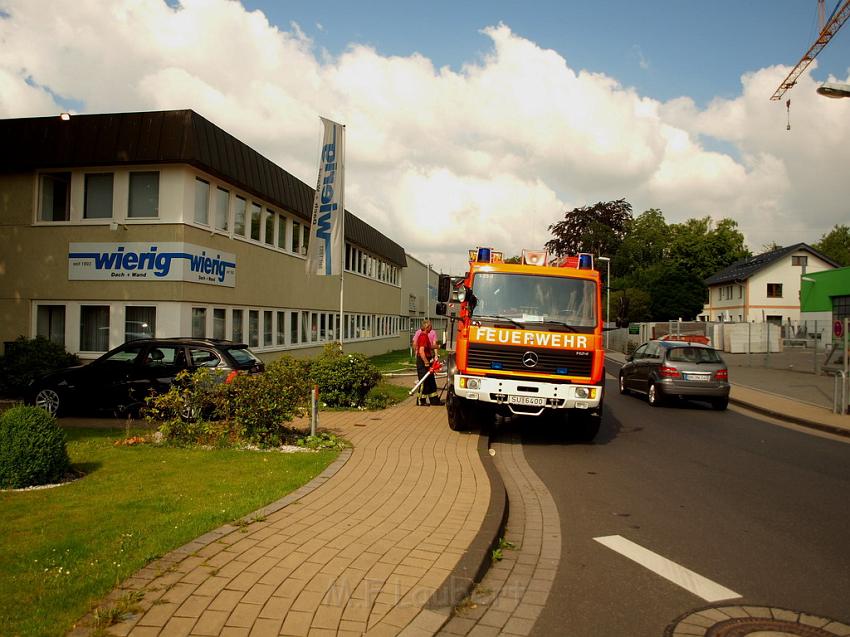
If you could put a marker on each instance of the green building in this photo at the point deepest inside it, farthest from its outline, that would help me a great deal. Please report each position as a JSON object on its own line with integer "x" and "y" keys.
{"x": 825, "y": 296}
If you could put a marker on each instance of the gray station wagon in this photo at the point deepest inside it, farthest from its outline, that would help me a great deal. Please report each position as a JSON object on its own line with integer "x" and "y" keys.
{"x": 666, "y": 369}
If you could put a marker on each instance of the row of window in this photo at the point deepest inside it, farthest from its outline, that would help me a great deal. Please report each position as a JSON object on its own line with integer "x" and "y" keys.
{"x": 774, "y": 291}
{"x": 55, "y": 196}
{"x": 215, "y": 207}
{"x": 259, "y": 328}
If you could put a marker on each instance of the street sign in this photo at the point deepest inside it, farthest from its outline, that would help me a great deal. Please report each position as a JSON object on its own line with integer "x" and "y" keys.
{"x": 838, "y": 328}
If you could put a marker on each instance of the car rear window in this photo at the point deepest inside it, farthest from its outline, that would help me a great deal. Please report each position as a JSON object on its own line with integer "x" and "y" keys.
{"x": 693, "y": 355}
{"x": 243, "y": 356}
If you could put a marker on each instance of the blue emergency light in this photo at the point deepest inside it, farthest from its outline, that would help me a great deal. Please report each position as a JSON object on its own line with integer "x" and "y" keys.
{"x": 585, "y": 261}
{"x": 483, "y": 255}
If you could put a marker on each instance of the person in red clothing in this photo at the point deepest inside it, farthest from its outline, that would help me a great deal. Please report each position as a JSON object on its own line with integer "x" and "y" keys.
{"x": 424, "y": 357}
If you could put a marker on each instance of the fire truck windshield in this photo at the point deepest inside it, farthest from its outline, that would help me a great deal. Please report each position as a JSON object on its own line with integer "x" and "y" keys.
{"x": 528, "y": 298}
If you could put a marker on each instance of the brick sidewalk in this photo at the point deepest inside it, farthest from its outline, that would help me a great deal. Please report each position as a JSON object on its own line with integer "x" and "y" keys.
{"x": 361, "y": 549}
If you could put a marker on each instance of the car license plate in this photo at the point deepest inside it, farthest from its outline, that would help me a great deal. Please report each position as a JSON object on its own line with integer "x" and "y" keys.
{"x": 534, "y": 401}
{"x": 699, "y": 377}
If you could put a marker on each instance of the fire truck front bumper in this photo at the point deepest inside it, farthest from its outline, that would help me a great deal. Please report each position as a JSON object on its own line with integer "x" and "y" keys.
{"x": 528, "y": 397}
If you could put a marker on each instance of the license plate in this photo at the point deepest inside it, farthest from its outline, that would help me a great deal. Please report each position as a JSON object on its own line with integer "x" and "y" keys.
{"x": 534, "y": 401}
{"x": 700, "y": 377}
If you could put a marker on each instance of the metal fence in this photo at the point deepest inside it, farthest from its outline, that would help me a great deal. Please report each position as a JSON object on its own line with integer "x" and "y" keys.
{"x": 801, "y": 346}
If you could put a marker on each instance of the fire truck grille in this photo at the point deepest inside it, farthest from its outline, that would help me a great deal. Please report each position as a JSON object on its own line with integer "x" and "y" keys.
{"x": 519, "y": 359}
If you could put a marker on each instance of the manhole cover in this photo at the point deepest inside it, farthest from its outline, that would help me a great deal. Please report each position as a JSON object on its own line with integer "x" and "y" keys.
{"x": 754, "y": 621}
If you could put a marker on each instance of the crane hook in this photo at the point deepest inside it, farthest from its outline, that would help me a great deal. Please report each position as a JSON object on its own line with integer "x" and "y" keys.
{"x": 788, "y": 111}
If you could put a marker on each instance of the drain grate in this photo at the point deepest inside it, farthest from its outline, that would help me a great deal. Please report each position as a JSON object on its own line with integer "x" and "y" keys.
{"x": 752, "y": 621}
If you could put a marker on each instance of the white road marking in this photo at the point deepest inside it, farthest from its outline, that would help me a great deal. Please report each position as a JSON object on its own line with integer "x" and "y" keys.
{"x": 679, "y": 575}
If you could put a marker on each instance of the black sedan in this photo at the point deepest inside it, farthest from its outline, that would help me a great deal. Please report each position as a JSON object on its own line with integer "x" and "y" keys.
{"x": 662, "y": 369}
{"x": 120, "y": 380}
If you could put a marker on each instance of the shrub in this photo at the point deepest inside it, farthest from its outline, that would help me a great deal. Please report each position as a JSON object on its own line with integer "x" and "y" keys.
{"x": 32, "y": 448}
{"x": 344, "y": 380}
{"x": 26, "y": 359}
{"x": 203, "y": 408}
{"x": 263, "y": 403}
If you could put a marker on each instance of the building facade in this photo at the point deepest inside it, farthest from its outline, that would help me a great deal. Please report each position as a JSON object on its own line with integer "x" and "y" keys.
{"x": 763, "y": 288}
{"x": 120, "y": 226}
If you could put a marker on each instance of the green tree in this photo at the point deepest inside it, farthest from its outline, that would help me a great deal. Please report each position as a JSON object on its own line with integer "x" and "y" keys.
{"x": 643, "y": 245}
{"x": 699, "y": 248}
{"x": 836, "y": 245}
{"x": 597, "y": 229}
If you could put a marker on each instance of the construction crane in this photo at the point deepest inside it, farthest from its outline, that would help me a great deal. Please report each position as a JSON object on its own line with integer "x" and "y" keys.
{"x": 836, "y": 21}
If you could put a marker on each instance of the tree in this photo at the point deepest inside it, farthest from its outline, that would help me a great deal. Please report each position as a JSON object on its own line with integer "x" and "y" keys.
{"x": 644, "y": 244}
{"x": 597, "y": 229}
{"x": 836, "y": 245}
{"x": 697, "y": 247}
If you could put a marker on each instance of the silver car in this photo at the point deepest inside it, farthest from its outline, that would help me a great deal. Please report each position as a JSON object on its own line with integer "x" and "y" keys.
{"x": 662, "y": 369}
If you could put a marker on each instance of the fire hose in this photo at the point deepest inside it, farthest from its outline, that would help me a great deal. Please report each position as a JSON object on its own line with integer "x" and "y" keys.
{"x": 432, "y": 371}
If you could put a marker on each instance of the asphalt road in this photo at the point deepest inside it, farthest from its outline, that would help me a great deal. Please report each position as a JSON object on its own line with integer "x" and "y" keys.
{"x": 754, "y": 507}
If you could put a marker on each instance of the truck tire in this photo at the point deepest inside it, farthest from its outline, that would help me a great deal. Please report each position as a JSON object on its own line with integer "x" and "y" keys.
{"x": 585, "y": 425}
{"x": 458, "y": 411}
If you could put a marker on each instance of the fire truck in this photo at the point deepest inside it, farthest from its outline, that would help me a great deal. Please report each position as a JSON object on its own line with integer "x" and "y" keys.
{"x": 527, "y": 341}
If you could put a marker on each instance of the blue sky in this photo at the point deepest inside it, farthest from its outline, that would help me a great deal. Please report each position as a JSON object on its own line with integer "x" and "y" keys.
{"x": 664, "y": 49}
{"x": 482, "y": 122}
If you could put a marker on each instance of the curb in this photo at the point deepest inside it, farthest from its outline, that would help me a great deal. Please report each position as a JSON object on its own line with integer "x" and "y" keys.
{"x": 811, "y": 424}
{"x": 476, "y": 560}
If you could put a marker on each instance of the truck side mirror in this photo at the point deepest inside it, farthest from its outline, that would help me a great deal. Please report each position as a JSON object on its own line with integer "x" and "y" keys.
{"x": 444, "y": 288}
{"x": 441, "y": 309}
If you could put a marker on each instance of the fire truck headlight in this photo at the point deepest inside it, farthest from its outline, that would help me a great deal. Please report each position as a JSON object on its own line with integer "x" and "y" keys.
{"x": 582, "y": 392}
{"x": 470, "y": 383}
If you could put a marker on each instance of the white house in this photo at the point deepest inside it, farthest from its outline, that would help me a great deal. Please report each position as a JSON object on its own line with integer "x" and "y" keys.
{"x": 763, "y": 288}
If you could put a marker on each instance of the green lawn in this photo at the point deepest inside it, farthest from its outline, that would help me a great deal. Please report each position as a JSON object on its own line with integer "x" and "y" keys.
{"x": 396, "y": 361}
{"x": 61, "y": 549}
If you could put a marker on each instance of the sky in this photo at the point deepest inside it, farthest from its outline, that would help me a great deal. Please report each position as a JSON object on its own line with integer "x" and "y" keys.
{"x": 477, "y": 123}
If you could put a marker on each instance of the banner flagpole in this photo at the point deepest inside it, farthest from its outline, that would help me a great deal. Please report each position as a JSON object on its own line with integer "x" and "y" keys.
{"x": 342, "y": 249}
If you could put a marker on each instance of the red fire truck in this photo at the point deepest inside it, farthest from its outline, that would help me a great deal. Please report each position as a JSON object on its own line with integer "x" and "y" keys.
{"x": 528, "y": 341}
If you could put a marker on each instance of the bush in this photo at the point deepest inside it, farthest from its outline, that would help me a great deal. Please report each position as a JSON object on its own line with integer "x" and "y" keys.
{"x": 32, "y": 448}
{"x": 203, "y": 408}
{"x": 26, "y": 359}
{"x": 344, "y": 380}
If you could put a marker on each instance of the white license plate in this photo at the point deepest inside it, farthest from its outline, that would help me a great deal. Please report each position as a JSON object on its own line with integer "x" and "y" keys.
{"x": 699, "y": 377}
{"x": 534, "y": 401}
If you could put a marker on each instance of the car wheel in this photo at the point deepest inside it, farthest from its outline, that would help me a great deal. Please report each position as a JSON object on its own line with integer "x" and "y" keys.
{"x": 654, "y": 397}
{"x": 623, "y": 389}
{"x": 48, "y": 399}
{"x": 720, "y": 404}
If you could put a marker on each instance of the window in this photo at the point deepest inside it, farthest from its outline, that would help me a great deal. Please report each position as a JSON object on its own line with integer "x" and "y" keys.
{"x": 255, "y": 221}
{"x": 144, "y": 195}
{"x": 799, "y": 260}
{"x": 202, "y": 201}
{"x": 237, "y": 326}
{"x": 268, "y": 326}
{"x": 281, "y": 232}
{"x": 50, "y": 323}
{"x": 239, "y": 217}
{"x": 219, "y": 323}
{"x": 322, "y": 329}
{"x": 98, "y": 204}
{"x": 270, "y": 217}
{"x": 94, "y": 328}
{"x": 281, "y": 328}
{"x": 203, "y": 357}
{"x": 296, "y": 237}
{"x": 55, "y": 197}
{"x": 139, "y": 322}
{"x": 305, "y": 327}
{"x": 305, "y": 238}
{"x": 253, "y": 328}
{"x": 222, "y": 199}
{"x": 293, "y": 327}
{"x": 347, "y": 256}
{"x": 199, "y": 322}
{"x": 774, "y": 290}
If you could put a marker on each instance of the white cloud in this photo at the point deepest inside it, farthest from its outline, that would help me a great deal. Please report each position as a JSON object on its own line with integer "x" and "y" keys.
{"x": 441, "y": 160}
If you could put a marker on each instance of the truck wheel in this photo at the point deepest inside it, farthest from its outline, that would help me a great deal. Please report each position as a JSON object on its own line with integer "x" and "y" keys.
{"x": 586, "y": 426}
{"x": 457, "y": 411}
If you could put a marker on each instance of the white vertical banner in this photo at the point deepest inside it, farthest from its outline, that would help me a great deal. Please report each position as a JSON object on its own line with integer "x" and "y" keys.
{"x": 325, "y": 251}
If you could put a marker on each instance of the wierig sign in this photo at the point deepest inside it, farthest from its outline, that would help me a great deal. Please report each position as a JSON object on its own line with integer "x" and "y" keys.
{"x": 152, "y": 261}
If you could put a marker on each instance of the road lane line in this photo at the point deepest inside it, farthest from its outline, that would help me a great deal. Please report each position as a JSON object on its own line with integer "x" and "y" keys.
{"x": 669, "y": 570}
